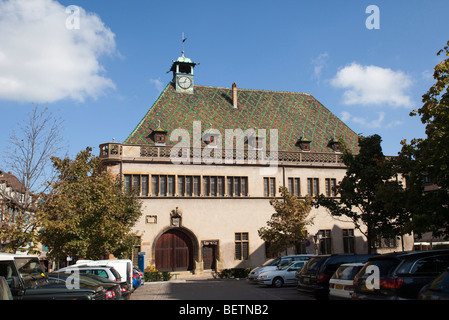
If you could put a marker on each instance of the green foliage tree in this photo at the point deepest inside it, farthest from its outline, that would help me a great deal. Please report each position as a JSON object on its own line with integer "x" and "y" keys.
{"x": 86, "y": 214}
{"x": 287, "y": 225}
{"x": 369, "y": 193}
{"x": 427, "y": 160}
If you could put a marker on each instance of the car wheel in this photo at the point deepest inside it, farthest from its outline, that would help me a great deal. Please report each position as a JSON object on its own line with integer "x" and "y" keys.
{"x": 278, "y": 282}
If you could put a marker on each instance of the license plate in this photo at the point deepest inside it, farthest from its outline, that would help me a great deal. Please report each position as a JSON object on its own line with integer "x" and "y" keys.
{"x": 338, "y": 286}
{"x": 306, "y": 280}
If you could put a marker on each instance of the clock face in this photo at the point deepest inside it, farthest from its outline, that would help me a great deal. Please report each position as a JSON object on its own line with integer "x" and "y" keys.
{"x": 184, "y": 82}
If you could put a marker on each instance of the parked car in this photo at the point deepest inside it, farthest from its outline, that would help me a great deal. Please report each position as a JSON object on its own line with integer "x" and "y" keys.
{"x": 107, "y": 272}
{"x": 341, "y": 284}
{"x": 284, "y": 275}
{"x": 123, "y": 266}
{"x": 102, "y": 271}
{"x": 5, "y": 292}
{"x": 273, "y": 264}
{"x": 138, "y": 279}
{"x": 27, "y": 281}
{"x": 85, "y": 280}
{"x": 438, "y": 289}
{"x": 313, "y": 278}
{"x": 401, "y": 274}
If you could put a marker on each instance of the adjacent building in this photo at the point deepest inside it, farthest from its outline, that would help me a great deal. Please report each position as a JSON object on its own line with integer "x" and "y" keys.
{"x": 205, "y": 162}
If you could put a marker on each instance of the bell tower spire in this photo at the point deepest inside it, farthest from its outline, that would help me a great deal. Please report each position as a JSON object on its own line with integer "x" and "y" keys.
{"x": 182, "y": 69}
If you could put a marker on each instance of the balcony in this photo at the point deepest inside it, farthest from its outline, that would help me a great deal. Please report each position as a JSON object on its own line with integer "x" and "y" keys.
{"x": 145, "y": 153}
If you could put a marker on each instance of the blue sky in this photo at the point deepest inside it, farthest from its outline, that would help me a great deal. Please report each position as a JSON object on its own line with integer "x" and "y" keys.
{"x": 102, "y": 78}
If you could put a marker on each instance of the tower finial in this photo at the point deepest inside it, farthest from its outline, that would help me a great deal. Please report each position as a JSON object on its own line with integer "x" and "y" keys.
{"x": 183, "y": 40}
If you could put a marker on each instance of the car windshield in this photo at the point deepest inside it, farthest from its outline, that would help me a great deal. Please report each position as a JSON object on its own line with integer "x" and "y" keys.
{"x": 271, "y": 262}
{"x": 285, "y": 266}
{"x": 346, "y": 272}
{"x": 314, "y": 264}
{"x": 30, "y": 267}
{"x": 116, "y": 274}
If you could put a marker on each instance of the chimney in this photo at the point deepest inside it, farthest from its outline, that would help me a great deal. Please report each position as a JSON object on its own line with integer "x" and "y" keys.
{"x": 234, "y": 95}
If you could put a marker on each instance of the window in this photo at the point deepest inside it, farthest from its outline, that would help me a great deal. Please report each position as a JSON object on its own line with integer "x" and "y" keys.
{"x": 196, "y": 186}
{"x": 137, "y": 183}
{"x": 241, "y": 246}
{"x": 220, "y": 186}
{"x": 128, "y": 178}
{"x": 331, "y": 187}
{"x": 162, "y": 185}
{"x": 313, "y": 186}
{"x": 181, "y": 186}
{"x": 269, "y": 187}
{"x": 294, "y": 187}
{"x": 348, "y": 240}
{"x": 325, "y": 241}
{"x": 237, "y": 186}
{"x": 431, "y": 265}
{"x": 154, "y": 186}
{"x": 380, "y": 242}
{"x": 189, "y": 186}
{"x": 171, "y": 186}
{"x": 213, "y": 186}
{"x": 144, "y": 186}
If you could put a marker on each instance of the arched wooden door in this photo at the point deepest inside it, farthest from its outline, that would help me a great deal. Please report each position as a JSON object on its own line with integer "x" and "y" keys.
{"x": 174, "y": 251}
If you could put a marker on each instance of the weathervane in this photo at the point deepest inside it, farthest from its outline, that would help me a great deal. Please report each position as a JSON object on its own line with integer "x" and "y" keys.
{"x": 183, "y": 40}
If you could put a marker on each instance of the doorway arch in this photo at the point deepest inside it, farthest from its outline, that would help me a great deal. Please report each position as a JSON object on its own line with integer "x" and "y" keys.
{"x": 175, "y": 249}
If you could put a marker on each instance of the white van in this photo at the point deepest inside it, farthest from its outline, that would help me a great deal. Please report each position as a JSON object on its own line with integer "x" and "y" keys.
{"x": 123, "y": 266}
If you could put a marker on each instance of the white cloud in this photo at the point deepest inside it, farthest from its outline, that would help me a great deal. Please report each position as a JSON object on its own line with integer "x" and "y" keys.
{"x": 372, "y": 85}
{"x": 158, "y": 84}
{"x": 369, "y": 123}
{"x": 319, "y": 63}
{"x": 41, "y": 60}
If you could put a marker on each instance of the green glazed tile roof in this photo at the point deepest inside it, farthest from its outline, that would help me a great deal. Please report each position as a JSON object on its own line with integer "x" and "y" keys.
{"x": 294, "y": 115}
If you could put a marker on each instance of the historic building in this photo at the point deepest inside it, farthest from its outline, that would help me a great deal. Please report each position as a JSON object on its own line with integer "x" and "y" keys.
{"x": 15, "y": 201}
{"x": 205, "y": 162}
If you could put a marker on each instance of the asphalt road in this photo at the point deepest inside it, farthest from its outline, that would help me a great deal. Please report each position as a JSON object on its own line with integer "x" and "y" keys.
{"x": 214, "y": 289}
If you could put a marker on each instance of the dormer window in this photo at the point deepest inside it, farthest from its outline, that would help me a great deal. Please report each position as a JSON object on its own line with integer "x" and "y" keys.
{"x": 210, "y": 138}
{"x": 256, "y": 141}
{"x": 304, "y": 144}
{"x": 159, "y": 137}
{"x": 335, "y": 145}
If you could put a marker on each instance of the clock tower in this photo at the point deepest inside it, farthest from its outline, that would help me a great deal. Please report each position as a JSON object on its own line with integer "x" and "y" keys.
{"x": 183, "y": 74}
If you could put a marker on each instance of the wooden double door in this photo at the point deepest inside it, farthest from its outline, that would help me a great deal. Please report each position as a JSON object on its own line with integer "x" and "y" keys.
{"x": 174, "y": 251}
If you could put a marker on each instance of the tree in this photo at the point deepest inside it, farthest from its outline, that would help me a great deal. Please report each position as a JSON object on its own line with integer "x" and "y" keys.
{"x": 287, "y": 225}
{"x": 29, "y": 159}
{"x": 86, "y": 214}
{"x": 366, "y": 193}
{"x": 426, "y": 161}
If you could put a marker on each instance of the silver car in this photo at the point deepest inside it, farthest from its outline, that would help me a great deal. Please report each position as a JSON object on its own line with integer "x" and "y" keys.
{"x": 274, "y": 264}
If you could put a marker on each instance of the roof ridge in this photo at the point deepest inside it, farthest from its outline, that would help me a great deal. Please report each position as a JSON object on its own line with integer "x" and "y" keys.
{"x": 263, "y": 90}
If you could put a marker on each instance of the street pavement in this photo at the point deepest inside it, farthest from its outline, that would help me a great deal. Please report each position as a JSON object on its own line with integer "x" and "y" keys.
{"x": 213, "y": 289}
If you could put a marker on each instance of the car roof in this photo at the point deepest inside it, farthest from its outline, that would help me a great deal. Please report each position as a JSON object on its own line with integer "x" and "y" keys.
{"x": 82, "y": 266}
{"x": 298, "y": 255}
{"x": 354, "y": 264}
{"x": 12, "y": 256}
{"x": 404, "y": 255}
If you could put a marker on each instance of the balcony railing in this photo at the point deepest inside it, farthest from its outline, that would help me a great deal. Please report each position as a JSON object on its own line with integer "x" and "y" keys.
{"x": 237, "y": 156}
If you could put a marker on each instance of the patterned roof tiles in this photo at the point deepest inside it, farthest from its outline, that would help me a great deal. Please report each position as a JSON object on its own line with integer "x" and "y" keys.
{"x": 294, "y": 115}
